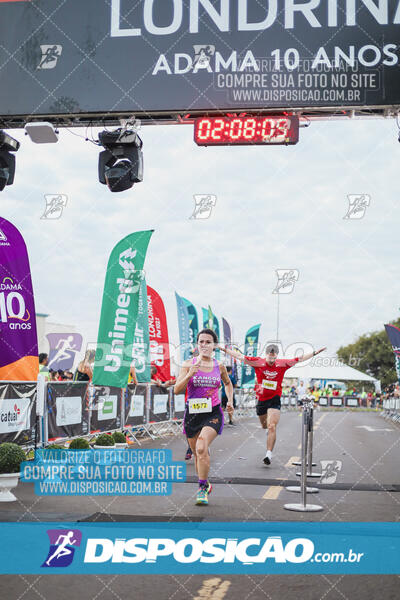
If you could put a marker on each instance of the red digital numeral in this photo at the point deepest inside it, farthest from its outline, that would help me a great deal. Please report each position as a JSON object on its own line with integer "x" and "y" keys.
{"x": 219, "y": 125}
{"x": 282, "y": 127}
{"x": 249, "y": 129}
{"x": 203, "y": 129}
{"x": 236, "y": 127}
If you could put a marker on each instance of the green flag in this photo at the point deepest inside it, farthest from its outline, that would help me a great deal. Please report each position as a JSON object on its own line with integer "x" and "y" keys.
{"x": 250, "y": 349}
{"x": 119, "y": 310}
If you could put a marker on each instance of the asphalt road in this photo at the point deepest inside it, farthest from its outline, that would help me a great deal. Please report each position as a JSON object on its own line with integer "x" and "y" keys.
{"x": 357, "y": 452}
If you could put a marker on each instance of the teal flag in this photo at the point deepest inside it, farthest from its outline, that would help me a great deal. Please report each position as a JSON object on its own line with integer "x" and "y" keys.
{"x": 250, "y": 349}
{"x": 210, "y": 321}
{"x": 141, "y": 342}
{"x": 193, "y": 322}
{"x": 119, "y": 310}
{"x": 184, "y": 328}
{"x": 208, "y": 318}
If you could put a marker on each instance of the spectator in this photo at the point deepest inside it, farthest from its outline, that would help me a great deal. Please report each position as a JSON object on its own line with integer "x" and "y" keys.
{"x": 84, "y": 371}
{"x": 158, "y": 379}
{"x": 224, "y": 397}
{"x": 132, "y": 376}
{"x": 43, "y": 368}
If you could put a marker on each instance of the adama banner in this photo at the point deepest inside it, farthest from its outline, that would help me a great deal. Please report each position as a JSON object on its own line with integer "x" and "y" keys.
{"x": 158, "y": 334}
{"x": 18, "y": 337}
{"x": 119, "y": 310}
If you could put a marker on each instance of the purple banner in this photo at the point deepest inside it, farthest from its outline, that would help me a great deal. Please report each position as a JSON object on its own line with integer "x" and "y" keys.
{"x": 18, "y": 337}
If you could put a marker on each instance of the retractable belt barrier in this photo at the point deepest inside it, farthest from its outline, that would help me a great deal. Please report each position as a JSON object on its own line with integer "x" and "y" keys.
{"x": 306, "y": 462}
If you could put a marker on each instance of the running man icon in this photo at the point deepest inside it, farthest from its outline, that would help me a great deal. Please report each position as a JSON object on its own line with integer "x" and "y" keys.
{"x": 62, "y": 347}
{"x": 62, "y": 547}
{"x": 62, "y": 550}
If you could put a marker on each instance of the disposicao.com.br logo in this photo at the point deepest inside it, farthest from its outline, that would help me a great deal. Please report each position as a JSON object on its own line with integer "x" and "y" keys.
{"x": 247, "y": 551}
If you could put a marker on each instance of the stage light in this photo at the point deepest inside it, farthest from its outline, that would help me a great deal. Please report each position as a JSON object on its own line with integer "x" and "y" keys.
{"x": 121, "y": 163}
{"x": 7, "y": 160}
{"x": 42, "y": 132}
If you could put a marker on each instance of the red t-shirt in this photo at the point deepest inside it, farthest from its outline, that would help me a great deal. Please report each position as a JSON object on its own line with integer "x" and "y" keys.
{"x": 269, "y": 377}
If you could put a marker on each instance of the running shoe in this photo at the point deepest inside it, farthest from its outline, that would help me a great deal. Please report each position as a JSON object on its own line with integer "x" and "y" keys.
{"x": 189, "y": 454}
{"x": 267, "y": 458}
{"x": 202, "y": 495}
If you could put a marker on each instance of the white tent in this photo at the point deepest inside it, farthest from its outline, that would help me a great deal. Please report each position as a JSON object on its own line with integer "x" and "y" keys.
{"x": 338, "y": 372}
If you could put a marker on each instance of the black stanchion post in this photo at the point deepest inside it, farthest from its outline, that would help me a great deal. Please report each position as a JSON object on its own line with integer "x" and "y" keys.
{"x": 310, "y": 464}
{"x": 310, "y": 472}
{"x": 304, "y": 507}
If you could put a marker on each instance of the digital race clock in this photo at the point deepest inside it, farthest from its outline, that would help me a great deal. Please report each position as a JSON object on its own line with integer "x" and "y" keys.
{"x": 223, "y": 131}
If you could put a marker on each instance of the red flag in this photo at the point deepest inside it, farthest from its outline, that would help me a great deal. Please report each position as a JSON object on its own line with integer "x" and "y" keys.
{"x": 158, "y": 335}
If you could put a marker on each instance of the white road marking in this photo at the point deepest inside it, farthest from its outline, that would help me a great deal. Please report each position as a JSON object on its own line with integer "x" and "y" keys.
{"x": 368, "y": 428}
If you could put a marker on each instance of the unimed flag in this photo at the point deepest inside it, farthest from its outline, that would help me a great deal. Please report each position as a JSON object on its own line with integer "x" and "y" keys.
{"x": 393, "y": 334}
{"x": 18, "y": 337}
{"x": 250, "y": 349}
{"x": 119, "y": 310}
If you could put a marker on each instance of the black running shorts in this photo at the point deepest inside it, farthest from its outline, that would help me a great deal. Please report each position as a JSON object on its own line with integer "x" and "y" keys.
{"x": 263, "y": 406}
{"x": 193, "y": 424}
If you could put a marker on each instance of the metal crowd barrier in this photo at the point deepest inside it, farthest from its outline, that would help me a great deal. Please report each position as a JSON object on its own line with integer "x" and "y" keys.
{"x": 37, "y": 413}
{"x": 391, "y": 409}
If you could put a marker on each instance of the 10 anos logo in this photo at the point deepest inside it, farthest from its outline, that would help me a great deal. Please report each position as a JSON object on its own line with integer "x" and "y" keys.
{"x": 12, "y": 306}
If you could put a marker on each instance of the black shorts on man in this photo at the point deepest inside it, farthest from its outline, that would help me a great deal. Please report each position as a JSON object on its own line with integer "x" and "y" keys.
{"x": 263, "y": 405}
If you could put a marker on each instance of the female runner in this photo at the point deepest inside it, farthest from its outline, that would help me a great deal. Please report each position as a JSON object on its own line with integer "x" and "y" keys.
{"x": 204, "y": 418}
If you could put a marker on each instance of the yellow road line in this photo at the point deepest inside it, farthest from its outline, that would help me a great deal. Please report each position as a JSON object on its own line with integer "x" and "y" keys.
{"x": 272, "y": 492}
{"x": 318, "y": 423}
{"x": 214, "y": 588}
{"x": 291, "y": 460}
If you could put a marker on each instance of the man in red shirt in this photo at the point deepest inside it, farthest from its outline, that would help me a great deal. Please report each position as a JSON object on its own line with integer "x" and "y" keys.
{"x": 270, "y": 372}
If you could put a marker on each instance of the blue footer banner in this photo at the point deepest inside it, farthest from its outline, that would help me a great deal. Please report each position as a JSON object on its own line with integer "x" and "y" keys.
{"x": 200, "y": 548}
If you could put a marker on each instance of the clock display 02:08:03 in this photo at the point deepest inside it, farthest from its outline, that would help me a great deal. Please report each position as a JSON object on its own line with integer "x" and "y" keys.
{"x": 246, "y": 130}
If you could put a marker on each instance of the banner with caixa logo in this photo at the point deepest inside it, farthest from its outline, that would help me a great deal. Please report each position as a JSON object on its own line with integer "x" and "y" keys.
{"x": 18, "y": 337}
{"x": 119, "y": 310}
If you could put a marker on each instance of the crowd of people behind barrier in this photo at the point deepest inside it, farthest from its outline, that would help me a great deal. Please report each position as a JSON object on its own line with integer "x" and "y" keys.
{"x": 84, "y": 372}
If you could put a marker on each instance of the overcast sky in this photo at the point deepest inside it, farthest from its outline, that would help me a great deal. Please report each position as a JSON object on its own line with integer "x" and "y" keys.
{"x": 277, "y": 208}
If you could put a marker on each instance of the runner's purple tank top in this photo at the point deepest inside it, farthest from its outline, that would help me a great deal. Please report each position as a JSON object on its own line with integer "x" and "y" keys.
{"x": 205, "y": 385}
